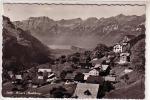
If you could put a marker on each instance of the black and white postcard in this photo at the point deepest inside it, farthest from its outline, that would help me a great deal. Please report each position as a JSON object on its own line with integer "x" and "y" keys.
{"x": 80, "y": 51}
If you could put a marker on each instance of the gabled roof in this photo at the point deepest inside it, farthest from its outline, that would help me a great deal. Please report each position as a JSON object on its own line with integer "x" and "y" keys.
{"x": 83, "y": 88}
{"x": 93, "y": 70}
{"x": 97, "y": 65}
{"x": 99, "y": 61}
{"x": 124, "y": 54}
{"x": 104, "y": 67}
{"x": 116, "y": 44}
{"x": 44, "y": 69}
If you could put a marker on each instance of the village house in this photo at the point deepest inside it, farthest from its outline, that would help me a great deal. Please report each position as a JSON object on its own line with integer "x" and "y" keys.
{"x": 94, "y": 72}
{"x": 124, "y": 45}
{"x": 18, "y": 83}
{"x": 124, "y": 58}
{"x": 117, "y": 48}
{"x": 86, "y": 90}
{"x": 44, "y": 70}
{"x": 97, "y": 66}
{"x": 44, "y": 75}
{"x": 18, "y": 77}
{"x": 86, "y": 75}
{"x": 110, "y": 78}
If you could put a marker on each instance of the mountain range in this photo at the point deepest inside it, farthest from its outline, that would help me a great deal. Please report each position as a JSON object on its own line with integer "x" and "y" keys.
{"x": 83, "y": 33}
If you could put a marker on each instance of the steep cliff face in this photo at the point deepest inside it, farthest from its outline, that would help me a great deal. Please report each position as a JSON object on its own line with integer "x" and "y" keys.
{"x": 21, "y": 49}
{"x": 100, "y": 30}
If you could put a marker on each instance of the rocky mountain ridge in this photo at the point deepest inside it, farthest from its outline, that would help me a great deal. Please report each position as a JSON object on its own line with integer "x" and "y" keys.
{"x": 73, "y": 30}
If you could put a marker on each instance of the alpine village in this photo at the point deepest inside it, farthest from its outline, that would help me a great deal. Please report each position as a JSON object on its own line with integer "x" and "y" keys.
{"x": 113, "y": 68}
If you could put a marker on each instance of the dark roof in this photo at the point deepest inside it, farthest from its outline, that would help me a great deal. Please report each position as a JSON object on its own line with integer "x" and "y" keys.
{"x": 95, "y": 79}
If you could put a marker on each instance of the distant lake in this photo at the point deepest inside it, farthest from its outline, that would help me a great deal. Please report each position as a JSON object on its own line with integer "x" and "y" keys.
{"x": 59, "y": 46}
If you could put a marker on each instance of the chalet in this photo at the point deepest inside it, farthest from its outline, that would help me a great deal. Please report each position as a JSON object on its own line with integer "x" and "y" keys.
{"x": 94, "y": 72}
{"x": 44, "y": 75}
{"x": 117, "y": 48}
{"x": 124, "y": 58}
{"x": 86, "y": 90}
{"x": 18, "y": 77}
{"x": 40, "y": 77}
{"x": 18, "y": 84}
{"x": 86, "y": 75}
{"x": 97, "y": 66}
{"x": 110, "y": 78}
{"x": 44, "y": 70}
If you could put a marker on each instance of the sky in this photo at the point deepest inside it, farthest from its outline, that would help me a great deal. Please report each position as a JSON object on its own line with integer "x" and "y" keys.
{"x": 18, "y": 12}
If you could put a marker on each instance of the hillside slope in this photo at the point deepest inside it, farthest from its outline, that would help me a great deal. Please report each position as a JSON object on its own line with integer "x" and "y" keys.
{"x": 134, "y": 87}
{"x": 133, "y": 91}
{"x": 20, "y": 49}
